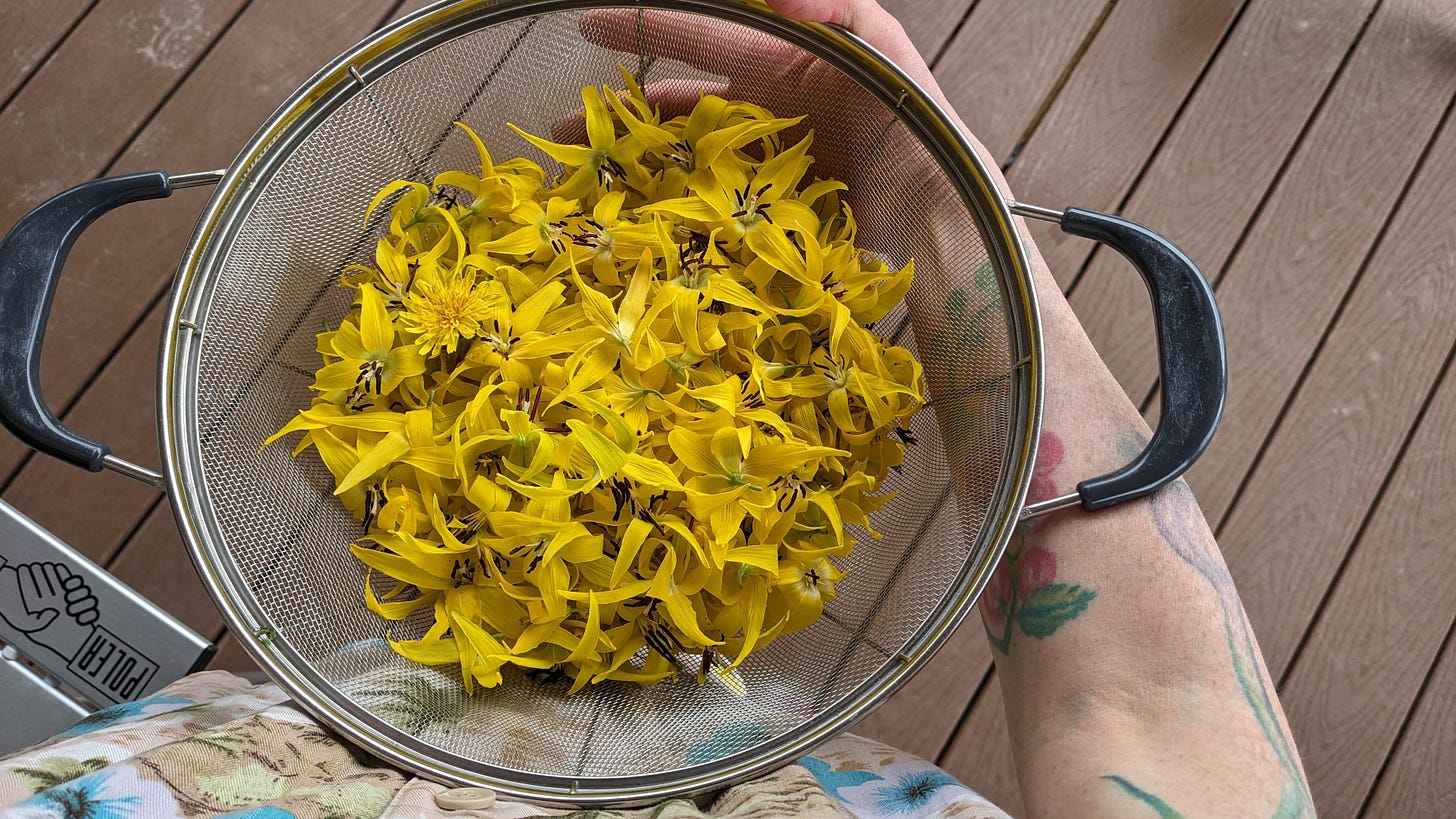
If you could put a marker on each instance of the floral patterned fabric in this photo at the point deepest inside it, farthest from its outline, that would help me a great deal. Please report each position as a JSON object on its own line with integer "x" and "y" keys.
{"x": 212, "y": 744}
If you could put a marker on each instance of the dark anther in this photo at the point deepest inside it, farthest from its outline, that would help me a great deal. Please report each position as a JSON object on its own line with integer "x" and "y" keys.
{"x": 442, "y": 196}
{"x": 547, "y": 676}
{"x": 658, "y": 636}
{"x": 373, "y": 503}
{"x": 621, "y": 494}
{"x": 463, "y": 573}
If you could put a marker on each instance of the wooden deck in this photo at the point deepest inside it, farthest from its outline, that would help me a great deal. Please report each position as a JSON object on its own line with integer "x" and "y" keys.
{"x": 1301, "y": 150}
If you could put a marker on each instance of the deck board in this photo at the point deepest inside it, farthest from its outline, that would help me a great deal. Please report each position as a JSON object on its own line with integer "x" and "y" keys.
{"x": 1134, "y": 118}
{"x": 1419, "y": 780}
{"x": 930, "y": 23}
{"x": 46, "y": 147}
{"x": 981, "y": 753}
{"x": 1205, "y": 185}
{"x": 1112, "y": 112}
{"x": 1345, "y": 428}
{"x": 118, "y": 408}
{"x": 124, "y": 264}
{"x": 1289, "y": 274}
{"x": 1290, "y": 145}
{"x": 1367, "y": 658}
{"x": 231, "y": 656}
{"x": 31, "y": 32}
{"x": 154, "y": 565}
{"x": 923, "y": 716}
{"x": 1393, "y": 604}
{"x": 1007, "y": 61}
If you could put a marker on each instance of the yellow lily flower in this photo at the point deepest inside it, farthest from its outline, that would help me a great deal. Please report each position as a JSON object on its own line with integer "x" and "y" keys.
{"x": 371, "y": 361}
{"x": 596, "y": 428}
{"x": 607, "y": 159}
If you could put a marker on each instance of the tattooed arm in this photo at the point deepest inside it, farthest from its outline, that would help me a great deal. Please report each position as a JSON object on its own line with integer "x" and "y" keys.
{"x": 1132, "y": 682}
{"x": 1129, "y": 671}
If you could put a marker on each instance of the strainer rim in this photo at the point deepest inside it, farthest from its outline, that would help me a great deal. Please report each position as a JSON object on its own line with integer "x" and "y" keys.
{"x": 312, "y": 103}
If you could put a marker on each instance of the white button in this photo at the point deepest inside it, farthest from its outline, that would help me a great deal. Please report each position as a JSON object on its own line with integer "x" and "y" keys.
{"x": 465, "y": 798}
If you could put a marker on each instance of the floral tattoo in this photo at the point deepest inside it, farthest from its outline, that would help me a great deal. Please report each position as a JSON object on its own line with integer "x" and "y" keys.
{"x": 1023, "y": 593}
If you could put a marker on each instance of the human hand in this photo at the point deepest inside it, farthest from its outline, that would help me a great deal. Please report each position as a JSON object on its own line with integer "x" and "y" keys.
{"x": 33, "y": 598}
{"x": 772, "y": 73}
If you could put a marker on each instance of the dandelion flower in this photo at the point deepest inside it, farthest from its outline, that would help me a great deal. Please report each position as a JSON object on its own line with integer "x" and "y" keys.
{"x": 444, "y": 314}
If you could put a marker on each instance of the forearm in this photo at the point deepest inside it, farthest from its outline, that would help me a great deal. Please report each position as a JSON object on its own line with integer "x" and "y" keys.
{"x": 1131, "y": 679}
{"x": 1128, "y": 669}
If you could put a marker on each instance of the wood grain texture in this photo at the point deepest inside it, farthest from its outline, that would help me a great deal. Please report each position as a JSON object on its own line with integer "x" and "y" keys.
{"x": 119, "y": 408}
{"x": 921, "y": 718}
{"x": 158, "y": 567}
{"x": 1204, "y": 184}
{"x": 68, "y": 124}
{"x": 1281, "y": 290}
{"x": 1391, "y": 609}
{"x": 230, "y": 656}
{"x": 1006, "y": 61}
{"x": 123, "y": 264}
{"x": 1113, "y": 110}
{"x": 29, "y": 31}
{"x": 1420, "y": 778}
{"x": 929, "y": 23}
{"x": 1326, "y": 462}
{"x": 981, "y": 755}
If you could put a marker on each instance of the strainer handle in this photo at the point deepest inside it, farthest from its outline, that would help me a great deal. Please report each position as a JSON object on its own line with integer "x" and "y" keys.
{"x": 1191, "y": 355}
{"x": 31, "y": 258}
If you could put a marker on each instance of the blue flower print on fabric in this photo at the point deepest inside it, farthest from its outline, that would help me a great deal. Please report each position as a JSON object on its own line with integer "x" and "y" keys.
{"x": 264, "y": 812}
{"x": 124, "y": 711}
{"x": 831, "y": 780}
{"x": 84, "y": 798}
{"x": 912, "y": 793}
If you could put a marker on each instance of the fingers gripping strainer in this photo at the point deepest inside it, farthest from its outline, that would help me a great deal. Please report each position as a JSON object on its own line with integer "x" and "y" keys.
{"x": 260, "y": 279}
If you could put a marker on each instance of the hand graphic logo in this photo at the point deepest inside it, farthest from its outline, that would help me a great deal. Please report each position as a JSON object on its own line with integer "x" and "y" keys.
{"x": 49, "y": 604}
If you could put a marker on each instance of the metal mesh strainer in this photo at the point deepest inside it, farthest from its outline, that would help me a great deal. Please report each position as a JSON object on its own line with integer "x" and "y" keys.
{"x": 261, "y": 278}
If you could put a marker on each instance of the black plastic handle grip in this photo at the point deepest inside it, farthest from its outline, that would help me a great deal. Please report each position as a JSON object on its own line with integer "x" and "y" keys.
{"x": 31, "y": 258}
{"x": 1191, "y": 354}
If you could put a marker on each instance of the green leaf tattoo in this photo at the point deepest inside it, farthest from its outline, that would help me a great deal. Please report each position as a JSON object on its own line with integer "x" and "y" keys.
{"x": 1292, "y": 804}
{"x": 1047, "y": 608}
{"x": 1165, "y": 811}
{"x": 1023, "y": 595}
{"x": 1024, "y": 592}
